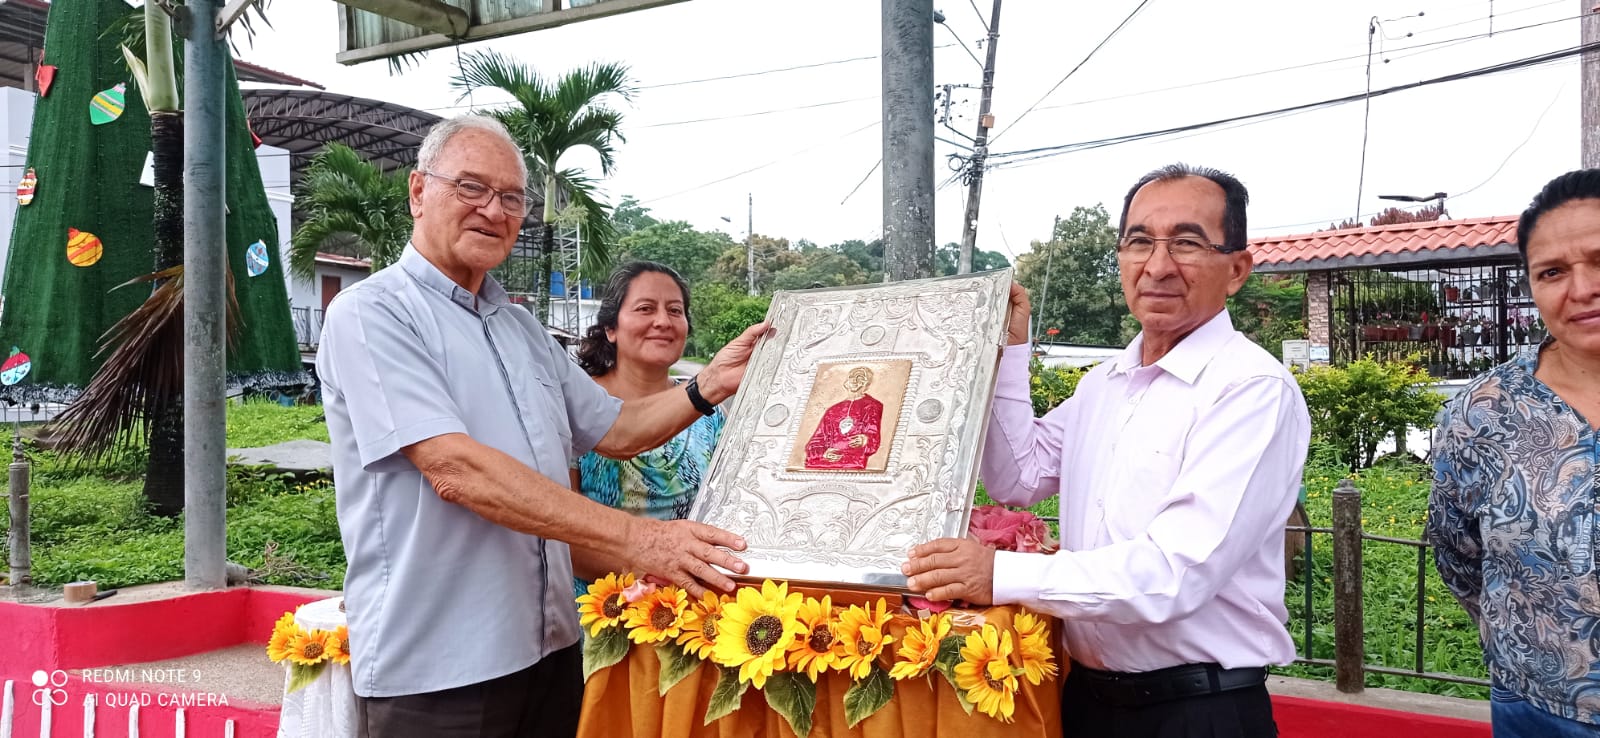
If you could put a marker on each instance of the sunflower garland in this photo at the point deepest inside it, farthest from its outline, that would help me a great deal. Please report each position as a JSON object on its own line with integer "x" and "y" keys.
{"x": 781, "y": 642}
{"x": 306, "y": 652}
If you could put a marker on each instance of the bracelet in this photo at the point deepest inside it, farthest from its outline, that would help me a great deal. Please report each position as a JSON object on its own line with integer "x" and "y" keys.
{"x": 697, "y": 399}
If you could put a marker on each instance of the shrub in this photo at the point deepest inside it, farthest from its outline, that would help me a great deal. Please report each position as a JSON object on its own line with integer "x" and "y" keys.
{"x": 1050, "y": 386}
{"x": 1354, "y": 407}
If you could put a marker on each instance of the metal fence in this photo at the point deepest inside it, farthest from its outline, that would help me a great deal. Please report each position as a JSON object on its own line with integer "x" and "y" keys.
{"x": 307, "y": 326}
{"x": 1349, "y": 617}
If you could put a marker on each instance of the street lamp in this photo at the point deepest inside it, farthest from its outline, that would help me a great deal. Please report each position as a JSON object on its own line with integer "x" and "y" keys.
{"x": 1440, "y": 196}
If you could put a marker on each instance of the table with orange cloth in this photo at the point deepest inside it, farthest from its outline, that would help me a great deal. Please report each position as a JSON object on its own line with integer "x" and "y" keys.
{"x": 624, "y": 699}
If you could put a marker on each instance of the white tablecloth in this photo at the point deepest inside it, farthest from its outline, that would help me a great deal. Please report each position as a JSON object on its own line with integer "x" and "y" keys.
{"x": 325, "y": 708}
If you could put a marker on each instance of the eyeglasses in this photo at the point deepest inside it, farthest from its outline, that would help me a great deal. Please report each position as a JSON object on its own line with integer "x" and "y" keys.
{"x": 1183, "y": 249}
{"x": 477, "y": 194}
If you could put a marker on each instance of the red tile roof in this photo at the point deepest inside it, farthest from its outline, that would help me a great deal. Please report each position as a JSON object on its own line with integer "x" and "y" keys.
{"x": 1445, "y": 240}
{"x": 340, "y": 260}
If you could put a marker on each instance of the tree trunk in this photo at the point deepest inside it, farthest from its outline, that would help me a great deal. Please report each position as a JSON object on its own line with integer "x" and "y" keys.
{"x": 547, "y": 250}
{"x": 163, "y": 478}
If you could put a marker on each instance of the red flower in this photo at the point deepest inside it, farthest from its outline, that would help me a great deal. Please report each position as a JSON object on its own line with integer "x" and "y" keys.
{"x": 1010, "y": 530}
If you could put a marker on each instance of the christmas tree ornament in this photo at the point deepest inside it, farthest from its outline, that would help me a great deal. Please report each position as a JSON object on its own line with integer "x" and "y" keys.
{"x": 26, "y": 187}
{"x": 15, "y": 367}
{"x": 83, "y": 248}
{"x": 43, "y": 75}
{"x": 255, "y": 259}
{"x": 108, "y": 105}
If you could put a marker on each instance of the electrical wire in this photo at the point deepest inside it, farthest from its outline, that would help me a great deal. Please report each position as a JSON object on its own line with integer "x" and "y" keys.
{"x": 752, "y": 115}
{"x": 1008, "y": 157}
{"x": 863, "y": 181}
{"x": 1072, "y": 71}
{"x": 1518, "y": 147}
{"x": 758, "y": 167}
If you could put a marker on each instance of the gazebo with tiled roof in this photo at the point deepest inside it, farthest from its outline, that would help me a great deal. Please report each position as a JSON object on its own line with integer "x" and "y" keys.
{"x": 1452, "y": 291}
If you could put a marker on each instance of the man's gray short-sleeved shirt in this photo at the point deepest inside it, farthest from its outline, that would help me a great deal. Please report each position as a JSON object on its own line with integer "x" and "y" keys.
{"x": 438, "y": 597}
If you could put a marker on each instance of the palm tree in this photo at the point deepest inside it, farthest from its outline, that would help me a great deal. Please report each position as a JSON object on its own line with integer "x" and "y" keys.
{"x": 351, "y": 206}
{"x": 549, "y": 118}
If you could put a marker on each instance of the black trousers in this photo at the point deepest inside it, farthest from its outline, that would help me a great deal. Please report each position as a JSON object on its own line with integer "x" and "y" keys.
{"x": 1239, "y": 713}
{"x": 540, "y": 701}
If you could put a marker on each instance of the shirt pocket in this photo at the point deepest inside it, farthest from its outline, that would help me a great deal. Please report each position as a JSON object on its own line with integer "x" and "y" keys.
{"x": 547, "y": 408}
{"x": 1145, "y": 486}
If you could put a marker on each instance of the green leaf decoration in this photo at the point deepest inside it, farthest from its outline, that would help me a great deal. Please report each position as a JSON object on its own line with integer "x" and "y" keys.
{"x": 725, "y": 698}
{"x": 949, "y": 673}
{"x": 949, "y": 653}
{"x": 606, "y": 649}
{"x": 867, "y": 696}
{"x": 794, "y": 696}
{"x": 300, "y": 676}
{"x": 676, "y": 663}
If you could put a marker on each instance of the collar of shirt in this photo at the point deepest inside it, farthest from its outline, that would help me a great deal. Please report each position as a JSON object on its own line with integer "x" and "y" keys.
{"x": 1187, "y": 359}
{"x": 491, "y": 295}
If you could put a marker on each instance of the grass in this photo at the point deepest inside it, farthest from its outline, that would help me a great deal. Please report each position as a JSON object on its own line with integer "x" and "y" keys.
{"x": 1394, "y": 503}
{"x": 91, "y": 522}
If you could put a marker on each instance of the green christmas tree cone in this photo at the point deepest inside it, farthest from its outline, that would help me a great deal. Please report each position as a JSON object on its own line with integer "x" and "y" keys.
{"x": 88, "y": 180}
{"x": 266, "y": 355}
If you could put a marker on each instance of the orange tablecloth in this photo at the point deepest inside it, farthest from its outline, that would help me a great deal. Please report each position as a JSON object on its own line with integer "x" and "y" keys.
{"x": 623, "y": 700}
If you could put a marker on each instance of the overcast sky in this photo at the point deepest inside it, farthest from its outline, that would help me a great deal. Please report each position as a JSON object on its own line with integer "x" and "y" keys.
{"x": 800, "y": 141}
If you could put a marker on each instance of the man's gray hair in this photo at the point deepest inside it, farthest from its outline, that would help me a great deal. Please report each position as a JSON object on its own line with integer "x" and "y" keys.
{"x": 433, "y": 145}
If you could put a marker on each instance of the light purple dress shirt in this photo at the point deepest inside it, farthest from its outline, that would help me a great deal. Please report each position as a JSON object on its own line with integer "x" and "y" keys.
{"x": 1175, "y": 481}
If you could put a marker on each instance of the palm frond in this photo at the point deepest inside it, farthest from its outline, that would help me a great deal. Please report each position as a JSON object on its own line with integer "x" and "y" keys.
{"x": 348, "y": 202}
{"x": 143, "y": 372}
{"x": 583, "y": 87}
{"x": 599, "y": 231}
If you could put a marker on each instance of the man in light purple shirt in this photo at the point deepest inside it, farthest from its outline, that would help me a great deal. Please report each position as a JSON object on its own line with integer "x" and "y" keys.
{"x": 1176, "y": 463}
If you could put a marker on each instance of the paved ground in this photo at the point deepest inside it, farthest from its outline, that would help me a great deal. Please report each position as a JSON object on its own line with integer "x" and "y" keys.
{"x": 241, "y": 672}
{"x": 296, "y": 457}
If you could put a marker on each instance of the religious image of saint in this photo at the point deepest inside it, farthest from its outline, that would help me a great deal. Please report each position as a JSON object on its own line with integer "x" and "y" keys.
{"x": 850, "y": 430}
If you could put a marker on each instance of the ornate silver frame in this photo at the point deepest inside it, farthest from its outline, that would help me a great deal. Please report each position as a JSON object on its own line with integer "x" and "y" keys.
{"x": 846, "y": 527}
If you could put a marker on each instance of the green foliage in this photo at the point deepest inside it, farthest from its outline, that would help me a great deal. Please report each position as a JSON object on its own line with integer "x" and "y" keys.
{"x": 726, "y": 696}
{"x": 948, "y": 258}
{"x": 794, "y": 696}
{"x": 1354, "y": 407}
{"x": 349, "y": 206}
{"x": 818, "y": 267}
{"x": 1050, "y": 386}
{"x": 1394, "y": 503}
{"x": 1073, "y": 281}
{"x": 678, "y": 245}
{"x": 676, "y": 663}
{"x": 867, "y": 696}
{"x": 1268, "y": 309}
{"x": 629, "y": 216}
{"x": 720, "y": 315}
{"x": 260, "y": 422}
{"x": 868, "y": 256}
{"x": 603, "y": 649}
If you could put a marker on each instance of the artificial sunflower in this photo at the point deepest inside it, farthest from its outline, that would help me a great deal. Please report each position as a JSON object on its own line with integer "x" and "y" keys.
{"x": 605, "y": 604}
{"x": 985, "y": 672}
{"x": 309, "y": 649}
{"x": 282, "y": 636}
{"x": 865, "y": 635}
{"x": 1033, "y": 647}
{"x": 657, "y": 616}
{"x": 699, "y": 631}
{"x": 339, "y": 645}
{"x": 817, "y": 648}
{"x": 756, "y": 630}
{"x": 921, "y": 647}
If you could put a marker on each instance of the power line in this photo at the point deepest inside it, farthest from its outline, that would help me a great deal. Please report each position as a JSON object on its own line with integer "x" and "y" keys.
{"x": 1394, "y": 54}
{"x": 755, "y": 114}
{"x": 758, "y": 167}
{"x": 1047, "y": 151}
{"x": 1519, "y": 146}
{"x": 1074, "y": 70}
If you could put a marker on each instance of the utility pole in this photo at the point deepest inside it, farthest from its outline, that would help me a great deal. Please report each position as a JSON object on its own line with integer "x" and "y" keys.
{"x": 1589, "y": 14}
{"x": 907, "y": 139}
{"x": 204, "y": 305}
{"x": 750, "y": 241}
{"x": 980, "y": 148}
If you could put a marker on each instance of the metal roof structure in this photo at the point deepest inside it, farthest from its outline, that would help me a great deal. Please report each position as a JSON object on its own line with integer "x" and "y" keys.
{"x": 303, "y": 121}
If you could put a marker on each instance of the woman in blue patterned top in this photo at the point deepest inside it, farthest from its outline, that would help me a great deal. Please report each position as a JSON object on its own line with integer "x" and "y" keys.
{"x": 638, "y": 335}
{"x": 1515, "y": 512}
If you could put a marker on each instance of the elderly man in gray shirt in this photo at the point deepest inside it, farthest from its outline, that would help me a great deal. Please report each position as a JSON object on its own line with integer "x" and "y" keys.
{"x": 453, "y": 414}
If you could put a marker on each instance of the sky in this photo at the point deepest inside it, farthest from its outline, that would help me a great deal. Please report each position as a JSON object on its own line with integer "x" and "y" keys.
{"x": 715, "y": 120}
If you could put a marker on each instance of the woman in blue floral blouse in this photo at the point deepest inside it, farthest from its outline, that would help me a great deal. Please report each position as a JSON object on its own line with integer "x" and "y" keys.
{"x": 1515, "y": 512}
{"x": 639, "y": 334}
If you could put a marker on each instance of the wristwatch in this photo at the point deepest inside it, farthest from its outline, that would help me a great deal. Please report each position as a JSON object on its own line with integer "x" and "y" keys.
{"x": 697, "y": 399}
